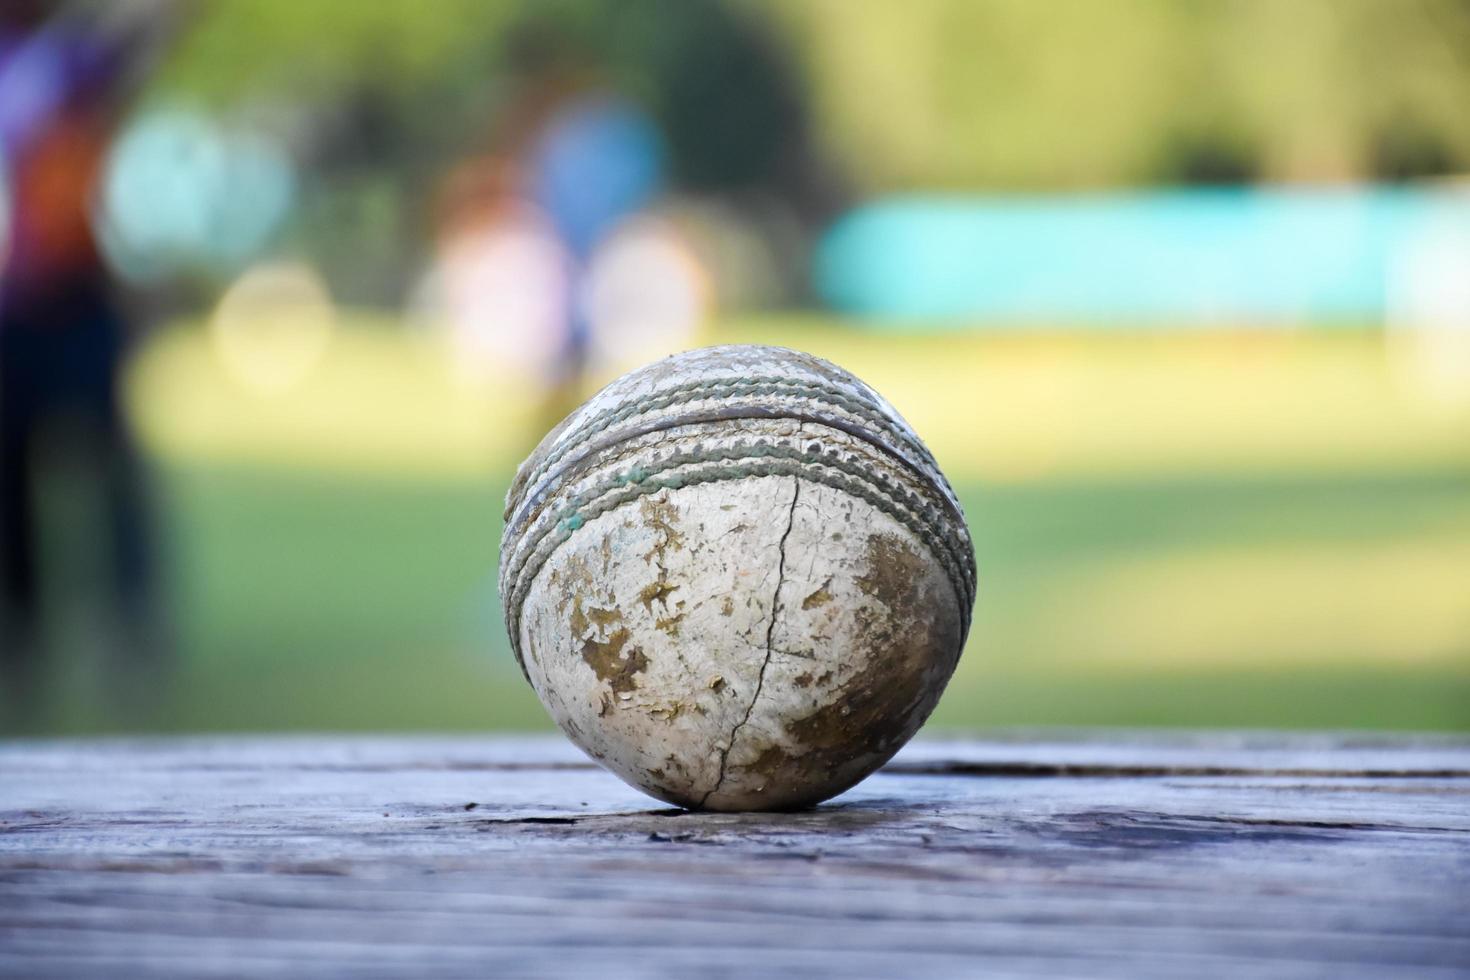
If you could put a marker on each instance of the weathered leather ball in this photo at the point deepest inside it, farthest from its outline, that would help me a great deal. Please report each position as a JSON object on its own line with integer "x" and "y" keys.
{"x": 736, "y": 578}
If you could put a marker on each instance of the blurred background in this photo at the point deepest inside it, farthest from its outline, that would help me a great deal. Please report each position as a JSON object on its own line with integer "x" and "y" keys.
{"x": 1178, "y": 293}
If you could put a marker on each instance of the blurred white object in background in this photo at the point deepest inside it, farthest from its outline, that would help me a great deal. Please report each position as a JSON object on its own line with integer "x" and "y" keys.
{"x": 273, "y": 326}
{"x": 499, "y": 290}
{"x": 645, "y": 296}
{"x": 1428, "y": 306}
{"x": 752, "y": 250}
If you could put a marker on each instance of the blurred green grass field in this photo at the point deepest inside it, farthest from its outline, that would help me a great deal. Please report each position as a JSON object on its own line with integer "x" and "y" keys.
{"x": 1236, "y": 530}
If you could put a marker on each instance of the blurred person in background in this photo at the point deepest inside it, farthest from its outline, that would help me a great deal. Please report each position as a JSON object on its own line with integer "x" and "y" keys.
{"x": 522, "y": 227}
{"x": 597, "y": 162}
{"x": 63, "y": 332}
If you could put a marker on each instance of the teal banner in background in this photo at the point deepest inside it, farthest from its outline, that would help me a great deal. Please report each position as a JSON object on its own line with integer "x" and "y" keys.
{"x": 1173, "y": 258}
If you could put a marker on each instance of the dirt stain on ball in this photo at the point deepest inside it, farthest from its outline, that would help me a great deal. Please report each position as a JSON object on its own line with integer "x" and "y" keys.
{"x": 610, "y": 657}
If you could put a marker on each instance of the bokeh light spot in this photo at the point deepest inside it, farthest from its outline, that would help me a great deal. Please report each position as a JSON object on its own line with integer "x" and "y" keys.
{"x": 273, "y": 326}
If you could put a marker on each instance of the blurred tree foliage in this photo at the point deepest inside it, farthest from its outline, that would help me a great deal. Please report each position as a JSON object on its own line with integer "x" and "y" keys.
{"x": 1075, "y": 93}
{"x": 378, "y": 99}
{"x": 442, "y": 71}
{"x": 923, "y": 93}
{"x": 791, "y": 108}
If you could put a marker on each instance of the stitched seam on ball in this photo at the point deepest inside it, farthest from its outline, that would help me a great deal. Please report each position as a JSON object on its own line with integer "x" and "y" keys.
{"x": 693, "y": 391}
{"x": 697, "y": 391}
{"x": 612, "y": 460}
{"x": 925, "y": 471}
{"x": 911, "y": 489}
{"x": 554, "y": 534}
{"x": 735, "y": 412}
{"x": 756, "y": 445}
{"x": 685, "y": 394}
{"x": 956, "y": 542}
{"x": 952, "y": 549}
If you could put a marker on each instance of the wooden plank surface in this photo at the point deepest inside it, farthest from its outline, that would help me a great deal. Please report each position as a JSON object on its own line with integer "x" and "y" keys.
{"x": 1127, "y": 855}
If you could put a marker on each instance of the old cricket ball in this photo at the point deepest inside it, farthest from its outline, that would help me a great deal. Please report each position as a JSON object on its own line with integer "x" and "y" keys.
{"x": 736, "y": 578}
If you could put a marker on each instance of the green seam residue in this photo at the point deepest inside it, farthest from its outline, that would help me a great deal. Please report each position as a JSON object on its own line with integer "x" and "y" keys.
{"x": 571, "y": 522}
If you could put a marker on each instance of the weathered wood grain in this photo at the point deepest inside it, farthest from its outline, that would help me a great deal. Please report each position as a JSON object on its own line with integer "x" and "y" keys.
{"x": 1123, "y": 855}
